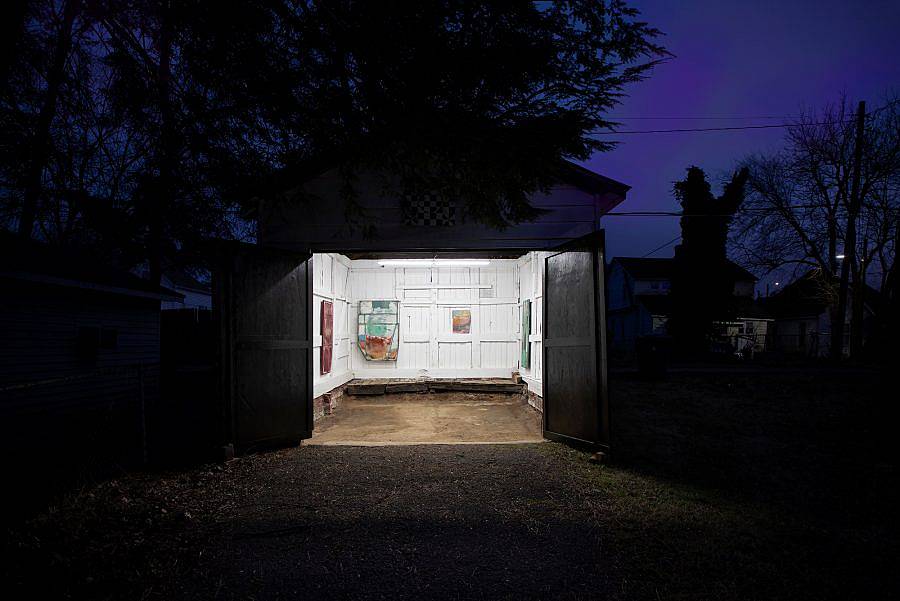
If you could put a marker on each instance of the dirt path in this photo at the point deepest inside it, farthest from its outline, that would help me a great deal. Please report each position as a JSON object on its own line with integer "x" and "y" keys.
{"x": 443, "y": 418}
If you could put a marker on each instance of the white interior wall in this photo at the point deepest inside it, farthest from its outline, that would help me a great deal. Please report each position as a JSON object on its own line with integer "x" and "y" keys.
{"x": 331, "y": 280}
{"x": 531, "y": 284}
{"x": 427, "y": 296}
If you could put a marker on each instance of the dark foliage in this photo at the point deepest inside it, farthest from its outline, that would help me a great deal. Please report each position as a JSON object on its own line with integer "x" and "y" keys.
{"x": 140, "y": 128}
{"x": 702, "y": 284}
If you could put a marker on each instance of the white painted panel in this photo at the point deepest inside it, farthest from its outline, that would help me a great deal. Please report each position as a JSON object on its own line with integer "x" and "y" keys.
{"x": 420, "y": 276}
{"x": 525, "y": 280}
{"x": 536, "y": 360}
{"x": 415, "y": 324}
{"x": 341, "y": 334}
{"x": 372, "y": 284}
{"x": 506, "y": 285}
{"x": 498, "y": 322}
{"x": 531, "y": 275}
{"x": 498, "y": 354}
{"x": 322, "y": 273}
{"x": 413, "y": 355}
{"x": 454, "y": 355}
{"x": 341, "y": 279}
{"x": 317, "y": 323}
{"x": 330, "y": 277}
{"x": 456, "y": 276}
{"x": 428, "y": 345}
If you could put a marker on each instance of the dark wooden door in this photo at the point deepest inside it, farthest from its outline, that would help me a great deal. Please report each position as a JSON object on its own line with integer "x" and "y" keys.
{"x": 576, "y": 407}
{"x": 264, "y": 300}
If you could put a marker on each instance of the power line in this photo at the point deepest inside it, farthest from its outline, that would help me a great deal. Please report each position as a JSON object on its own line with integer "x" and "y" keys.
{"x": 681, "y": 214}
{"x": 658, "y": 248}
{"x": 708, "y": 129}
{"x": 697, "y": 118}
{"x": 871, "y": 113}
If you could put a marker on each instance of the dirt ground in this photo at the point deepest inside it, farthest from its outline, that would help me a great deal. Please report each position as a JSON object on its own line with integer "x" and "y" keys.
{"x": 722, "y": 488}
{"x": 440, "y": 522}
{"x": 439, "y": 418}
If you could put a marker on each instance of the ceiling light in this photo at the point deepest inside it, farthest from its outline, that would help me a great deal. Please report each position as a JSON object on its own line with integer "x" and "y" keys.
{"x": 406, "y": 263}
{"x": 434, "y": 262}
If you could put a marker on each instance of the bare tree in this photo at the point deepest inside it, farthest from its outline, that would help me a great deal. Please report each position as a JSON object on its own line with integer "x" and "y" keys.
{"x": 795, "y": 215}
{"x": 40, "y": 143}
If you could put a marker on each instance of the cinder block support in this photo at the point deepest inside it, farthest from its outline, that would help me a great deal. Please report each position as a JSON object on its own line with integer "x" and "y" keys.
{"x": 536, "y": 402}
{"x": 325, "y": 404}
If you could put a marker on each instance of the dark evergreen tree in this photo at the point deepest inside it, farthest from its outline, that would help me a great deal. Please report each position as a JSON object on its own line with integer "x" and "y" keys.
{"x": 183, "y": 109}
{"x": 702, "y": 283}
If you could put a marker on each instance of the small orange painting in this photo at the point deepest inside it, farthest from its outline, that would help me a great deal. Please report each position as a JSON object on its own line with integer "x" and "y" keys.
{"x": 462, "y": 321}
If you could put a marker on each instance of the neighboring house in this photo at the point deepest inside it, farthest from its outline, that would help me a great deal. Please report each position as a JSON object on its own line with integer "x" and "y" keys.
{"x": 639, "y": 304}
{"x": 197, "y": 294}
{"x": 80, "y": 351}
{"x": 802, "y": 312}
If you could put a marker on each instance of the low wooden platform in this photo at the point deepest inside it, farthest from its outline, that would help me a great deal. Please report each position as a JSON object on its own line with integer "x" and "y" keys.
{"x": 402, "y": 385}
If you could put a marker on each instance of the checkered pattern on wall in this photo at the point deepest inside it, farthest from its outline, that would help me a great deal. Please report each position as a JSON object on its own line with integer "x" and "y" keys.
{"x": 428, "y": 209}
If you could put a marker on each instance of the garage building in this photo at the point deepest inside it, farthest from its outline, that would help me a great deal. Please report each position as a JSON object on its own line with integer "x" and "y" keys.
{"x": 457, "y": 300}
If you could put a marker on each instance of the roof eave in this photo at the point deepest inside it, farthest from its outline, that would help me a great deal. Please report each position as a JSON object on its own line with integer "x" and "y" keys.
{"x": 164, "y": 294}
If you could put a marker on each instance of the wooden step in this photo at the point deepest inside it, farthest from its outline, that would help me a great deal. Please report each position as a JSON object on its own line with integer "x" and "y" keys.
{"x": 374, "y": 387}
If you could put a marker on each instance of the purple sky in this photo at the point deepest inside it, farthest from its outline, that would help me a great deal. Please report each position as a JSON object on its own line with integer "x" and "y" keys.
{"x": 738, "y": 58}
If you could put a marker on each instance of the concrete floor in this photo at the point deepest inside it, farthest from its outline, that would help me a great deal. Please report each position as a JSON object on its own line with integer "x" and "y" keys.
{"x": 439, "y": 418}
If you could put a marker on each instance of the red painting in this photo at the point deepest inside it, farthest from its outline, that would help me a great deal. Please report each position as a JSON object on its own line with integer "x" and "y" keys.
{"x": 327, "y": 336}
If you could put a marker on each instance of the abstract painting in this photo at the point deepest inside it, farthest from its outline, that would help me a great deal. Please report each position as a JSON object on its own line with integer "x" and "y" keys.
{"x": 462, "y": 321}
{"x": 327, "y": 328}
{"x": 526, "y": 333}
{"x": 378, "y": 329}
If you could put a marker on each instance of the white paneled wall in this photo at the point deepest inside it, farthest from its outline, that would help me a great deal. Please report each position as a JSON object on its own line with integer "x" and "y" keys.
{"x": 428, "y": 296}
{"x": 531, "y": 284}
{"x": 331, "y": 281}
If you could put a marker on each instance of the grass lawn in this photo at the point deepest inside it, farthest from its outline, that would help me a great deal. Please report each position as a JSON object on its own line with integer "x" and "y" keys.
{"x": 682, "y": 541}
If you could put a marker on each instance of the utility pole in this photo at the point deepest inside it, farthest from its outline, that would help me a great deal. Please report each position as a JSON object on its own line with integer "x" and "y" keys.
{"x": 837, "y": 328}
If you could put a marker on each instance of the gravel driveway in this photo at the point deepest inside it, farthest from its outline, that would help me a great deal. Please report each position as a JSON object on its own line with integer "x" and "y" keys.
{"x": 437, "y": 522}
{"x": 415, "y": 522}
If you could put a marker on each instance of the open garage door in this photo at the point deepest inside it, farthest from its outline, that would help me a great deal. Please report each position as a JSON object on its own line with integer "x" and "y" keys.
{"x": 264, "y": 300}
{"x": 576, "y": 406}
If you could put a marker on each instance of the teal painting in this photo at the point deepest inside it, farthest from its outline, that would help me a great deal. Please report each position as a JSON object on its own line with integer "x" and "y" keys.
{"x": 378, "y": 329}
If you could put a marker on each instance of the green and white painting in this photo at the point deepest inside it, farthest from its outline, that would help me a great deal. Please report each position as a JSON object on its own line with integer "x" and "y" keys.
{"x": 378, "y": 329}
{"x": 526, "y": 333}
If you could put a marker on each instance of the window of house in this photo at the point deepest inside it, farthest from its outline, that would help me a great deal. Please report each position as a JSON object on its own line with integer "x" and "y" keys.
{"x": 659, "y": 325}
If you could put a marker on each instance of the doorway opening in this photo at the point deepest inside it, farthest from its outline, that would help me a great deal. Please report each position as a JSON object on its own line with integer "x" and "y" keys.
{"x": 426, "y": 348}
{"x": 299, "y": 331}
